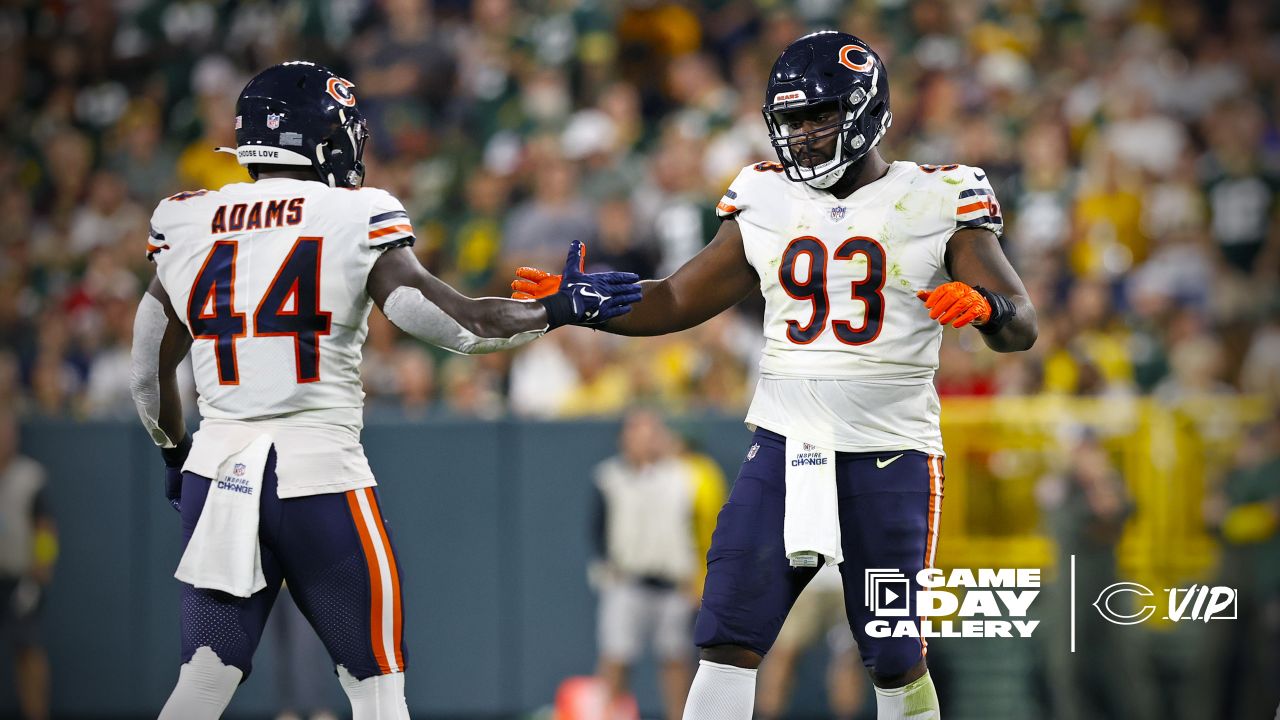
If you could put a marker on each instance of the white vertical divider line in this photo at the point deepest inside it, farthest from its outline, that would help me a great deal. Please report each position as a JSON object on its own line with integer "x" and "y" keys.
{"x": 1073, "y": 603}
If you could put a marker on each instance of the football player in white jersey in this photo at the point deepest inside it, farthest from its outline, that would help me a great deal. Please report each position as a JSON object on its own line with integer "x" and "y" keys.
{"x": 269, "y": 286}
{"x": 861, "y": 262}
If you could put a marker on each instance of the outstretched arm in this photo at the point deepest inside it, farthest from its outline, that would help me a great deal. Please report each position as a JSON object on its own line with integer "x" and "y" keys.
{"x": 424, "y": 306}
{"x": 974, "y": 257}
{"x": 711, "y": 282}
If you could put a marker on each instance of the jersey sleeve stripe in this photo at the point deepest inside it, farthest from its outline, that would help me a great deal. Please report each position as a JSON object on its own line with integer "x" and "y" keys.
{"x": 980, "y": 221}
{"x": 983, "y": 204}
{"x": 726, "y": 208}
{"x": 393, "y": 222}
{"x": 390, "y": 230}
{"x": 383, "y": 217}
{"x": 155, "y": 242}
{"x": 402, "y": 241}
{"x": 155, "y": 247}
{"x": 974, "y": 191}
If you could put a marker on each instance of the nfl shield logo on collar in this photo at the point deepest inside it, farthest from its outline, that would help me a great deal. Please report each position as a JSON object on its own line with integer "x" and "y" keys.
{"x": 273, "y": 121}
{"x": 837, "y": 213}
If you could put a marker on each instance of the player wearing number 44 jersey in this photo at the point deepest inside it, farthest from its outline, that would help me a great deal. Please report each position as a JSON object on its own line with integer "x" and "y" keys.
{"x": 269, "y": 285}
{"x": 861, "y": 262}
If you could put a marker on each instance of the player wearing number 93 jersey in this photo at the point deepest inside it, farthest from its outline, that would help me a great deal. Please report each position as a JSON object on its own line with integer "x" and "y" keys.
{"x": 269, "y": 285}
{"x": 861, "y": 262}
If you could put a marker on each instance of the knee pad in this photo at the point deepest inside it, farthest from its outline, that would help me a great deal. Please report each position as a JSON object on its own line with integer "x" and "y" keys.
{"x": 379, "y": 697}
{"x": 204, "y": 688}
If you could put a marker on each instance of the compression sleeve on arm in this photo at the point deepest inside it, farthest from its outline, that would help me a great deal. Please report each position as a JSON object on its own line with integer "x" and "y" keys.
{"x": 144, "y": 375}
{"x": 412, "y": 312}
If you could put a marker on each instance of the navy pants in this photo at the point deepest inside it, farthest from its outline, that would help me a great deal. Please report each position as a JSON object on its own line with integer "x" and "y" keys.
{"x": 335, "y": 552}
{"x": 889, "y": 508}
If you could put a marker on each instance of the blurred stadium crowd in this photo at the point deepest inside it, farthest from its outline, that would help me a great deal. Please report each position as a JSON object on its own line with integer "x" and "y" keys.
{"x": 1134, "y": 145}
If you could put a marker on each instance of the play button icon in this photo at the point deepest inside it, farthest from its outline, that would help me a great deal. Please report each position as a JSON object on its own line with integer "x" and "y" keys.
{"x": 887, "y": 593}
{"x": 893, "y": 596}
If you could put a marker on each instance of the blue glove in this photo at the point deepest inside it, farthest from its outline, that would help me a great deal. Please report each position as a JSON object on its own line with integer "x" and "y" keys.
{"x": 173, "y": 487}
{"x": 174, "y": 458}
{"x": 589, "y": 298}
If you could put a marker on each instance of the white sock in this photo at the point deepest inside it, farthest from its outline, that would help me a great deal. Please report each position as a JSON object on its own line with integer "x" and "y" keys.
{"x": 204, "y": 688}
{"x": 721, "y": 692}
{"x": 916, "y": 700}
{"x": 380, "y": 697}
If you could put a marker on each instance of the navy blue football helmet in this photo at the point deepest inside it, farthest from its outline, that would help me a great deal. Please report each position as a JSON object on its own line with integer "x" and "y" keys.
{"x": 836, "y": 71}
{"x": 301, "y": 113}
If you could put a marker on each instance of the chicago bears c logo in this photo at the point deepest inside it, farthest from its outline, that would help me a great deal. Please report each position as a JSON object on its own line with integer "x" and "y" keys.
{"x": 340, "y": 90}
{"x": 864, "y": 66}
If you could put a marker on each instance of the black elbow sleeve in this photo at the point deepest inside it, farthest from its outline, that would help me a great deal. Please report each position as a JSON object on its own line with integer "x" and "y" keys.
{"x": 1002, "y": 311}
{"x": 176, "y": 456}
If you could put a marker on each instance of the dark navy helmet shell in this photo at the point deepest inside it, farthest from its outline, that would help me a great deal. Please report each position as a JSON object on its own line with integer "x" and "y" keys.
{"x": 301, "y": 113}
{"x": 835, "y": 69}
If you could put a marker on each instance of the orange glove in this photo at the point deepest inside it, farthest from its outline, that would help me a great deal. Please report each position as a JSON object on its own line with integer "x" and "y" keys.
{"x": 956, "y": 304}
{"x": 532, "y": 284}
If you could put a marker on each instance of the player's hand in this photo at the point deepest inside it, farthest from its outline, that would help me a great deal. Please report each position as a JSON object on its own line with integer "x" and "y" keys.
{"x": 173, "y": 487}
{"x": 589, "y": 298}
{"x": 532, "y": 283}
{"x": 174, "y": 458}
{"x": 956, "y": 304}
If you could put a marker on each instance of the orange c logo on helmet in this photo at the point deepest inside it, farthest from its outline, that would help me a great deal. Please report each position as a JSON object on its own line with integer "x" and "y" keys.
{"x": 864, "y": 67}
{"x": 340, "y": 90}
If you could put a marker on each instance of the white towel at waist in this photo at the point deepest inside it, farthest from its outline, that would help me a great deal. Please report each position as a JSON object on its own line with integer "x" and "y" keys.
{"x": 811, "y": 520}
{"x": 223, "y": 553}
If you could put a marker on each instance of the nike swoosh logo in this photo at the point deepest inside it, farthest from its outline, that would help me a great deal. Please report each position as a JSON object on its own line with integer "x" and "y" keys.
{"x": 584, "y": 290}
{"x": 980, "y": 176}
{"x": 882, "y": 464}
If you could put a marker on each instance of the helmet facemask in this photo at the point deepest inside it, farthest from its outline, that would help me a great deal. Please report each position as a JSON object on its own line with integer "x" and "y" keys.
{"x": 850, "y": 147}
{"x": 339, "y": 159}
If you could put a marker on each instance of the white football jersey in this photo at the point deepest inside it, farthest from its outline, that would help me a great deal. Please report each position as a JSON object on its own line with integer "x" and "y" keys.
{"x": 850, "y": 352}
{"x": 269, "y": 278}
